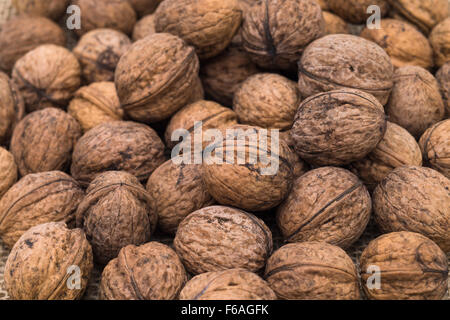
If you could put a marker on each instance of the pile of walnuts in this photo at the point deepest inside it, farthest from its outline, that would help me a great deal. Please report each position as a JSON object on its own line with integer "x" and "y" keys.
{"x": 228, "y": 127}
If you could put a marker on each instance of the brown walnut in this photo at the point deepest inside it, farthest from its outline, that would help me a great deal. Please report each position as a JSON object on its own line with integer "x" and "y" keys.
{"x": 312, "y": 271}
{"x": 218, "y": 238}
{"x": 36, "y": 199}
{"x": 12, "y": 108}
{"x": 41, "y": 262}
{"x": 411, "y": 266}
{"x": 435, "y": 146}
{"x": 8, "y": 171}
{"x": 355, "y": 11}
{"x": 152, "y": 271}
{"x": 44, "y": 141}
{"x": 118, "y": 146}
{"x": 443, "y": 78}
{"x": 299, "y": 167}
{"x": 52, "y": 9}
{"x": 233, "y": 284}
{"x": 144, "y": 27}
{"x": 144, "y": 7}
{"x": 440, "y": 41}
{"x": 415, "y": 199}
{"x": 335, "y": 24}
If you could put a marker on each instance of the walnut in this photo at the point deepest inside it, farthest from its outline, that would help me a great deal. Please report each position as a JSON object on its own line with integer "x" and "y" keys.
{"x": 335, "y": 24}
{"x": 115, "y": 213}
{"x": 99, "y": 51}
{"x": 338, "y": 127}
{"x": 312, "y": 271}
{"x": 42, "y": 261}
{"x": 299, "y": 167}
{"x": 255, "y": 176}
{"x": 113, "y": 14}
{"x": 355, "y": 11}
{"x": 211, "y": 114}
{"x": 144, "y": 7}
{"x": 12, "y": 108}
{"x": 120, "y": 146}
{"x": 44, "y": 140}
{"x": 341, "y": 60}
{"x": 36, "y": 199}
{"x": 52, "y": 9}
{"x": 144, "y": 27}
{"x": 156, "y": 77}
{"x": 443, "y": 78}
{"x": 208, "y": 25}
{"x": 233, "y": 284}
{"x": 152, "y": 271}
{"x": 440, "y": 41}
{"x": 24, "y": 33}
{"x": 246, "y": 5}
{"x": 397, "y": 148}
{"x": 274, "y": 34}
{"x": 96, "y": 104}
{"x": 175, "y": 192}
{"x": 403, "y": 42}
{"x": 218, "y": 238}
{"x": 323, "y": 4}
{"x": 435, "y": 146}
{"x": 8, "y": 171}
{"x": 425, "y": 14}
{"x": 415, "y": 199}
{"x": 411, "y": 266}
{"x": 47, "y": 77}
{"x": 267, "y": 100}
{"x": 415, "y": 102}
{"x": 326, "y": 204}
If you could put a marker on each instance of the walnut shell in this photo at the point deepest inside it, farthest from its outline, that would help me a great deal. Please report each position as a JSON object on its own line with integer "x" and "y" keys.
{"x": 44, "y": 140}
{"x": 96, "y": 104}
{"x": 155, "y": 78}
{"x": 440, "y": 41}
{"x": 175, "y": 192}
{"x": 116, "y": 212}
{"x": 12, "y": 108}
{"x": 299, "y": 167}
{"x": 208, "y": 25}
{"x": 435, "y": 146}
{"x": 415, "y": 199}
{"x": 411, "y": 266}
{"x": 36, "y": 199}
{"x": 323, "y": 4}
{"x": 443, "y": 78}
{"x": 274, "y": 34}
{"x": 267, "y": 100}
{"x": 338, "y": 127}
{"x": 47, "y": 76}
{"x": 403, "y": 42}
{"x": 312, "y": 271}
{"x": 218, "y": 238}
{"x": 152, "y": 271}
{"x": 121, "y": 146}
{"x": 327, "y": 204}
{"x": 233, "y": 284}
{"x": 8, "y": 171}
{"x": 355, "y": 11}
{"x": 397, "y": 148}
{"x": 415, "y": 103}
{"x": 263, "y": 183}
{"x": 246, "y": 5}
{"x": 335, "y": 24}
{"x": 24, "y": 33}
{"x": 144, "y": 7}
{"x": 114, "y": 14}
{"x": 211, "y": 114}
{"x": 342, "y": 60}
{"x": 52, "y": 9}
{"x": 99, "y": 51}
{"x": 425, "y": 14}
{"x": 144, "y": 27}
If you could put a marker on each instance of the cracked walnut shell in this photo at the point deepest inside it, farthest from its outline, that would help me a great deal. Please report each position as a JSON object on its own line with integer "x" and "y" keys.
{"x": 218, "y": 238}
{"x": 8, "y": 171}
{"x": 355, "y": 11}
{"x": 52, "y": 9}
{"x": 440, "y": 41}
{"x": 435, "y": 146}
{"x": 12, "y": 108}
{"x": 41, "y": 263}
{"x": 410, "y": 266}
{"x": 312, "y": 271}
{"x": 233, "y": 284}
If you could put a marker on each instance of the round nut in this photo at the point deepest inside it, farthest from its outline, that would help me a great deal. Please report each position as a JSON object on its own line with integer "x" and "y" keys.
{"x": 233, "y": 284}
{"x": 144, "y": 7}
{"x": 435, "y": 146}
{"x": 341, "y": 60}
{"x": 41, "y": 262}
{"x": 443, "y": 78}
{"x": 8, "y": 171}
{"x": 415, "y": 199}
{"x": 144, "y": 27}
{"x": 312, "y": 271}
{"x": 327, "y": 204}
{"x": 53, "y": 9}
{"x": 338, "y": 127}
{"x": 335, "y": 24}
{"x": 44, "y": 140}
{"x": 411, "y": 266}
{"x": 440, "y": 41}
{"x": 219, "y": 238}
{"x": 355, "y": 11}
{"x": 12, "y": 108}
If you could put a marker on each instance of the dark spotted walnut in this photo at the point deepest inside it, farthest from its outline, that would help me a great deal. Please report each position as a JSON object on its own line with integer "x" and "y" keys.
{"x": 440, "y": 41}
{"x": 355, "y": 11}
{"x": 443, "y": 78}
{"x": 435, "y": 146}
{"x": 410, "y": 266}
{"x": 219, "y": 238}
{"x": 52, "y": 9}
{"x": 12, "y": 108}
{"x": 8, "y": 171}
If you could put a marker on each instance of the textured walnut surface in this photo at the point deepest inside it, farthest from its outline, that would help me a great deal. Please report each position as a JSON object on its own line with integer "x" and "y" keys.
{"x": 443, "y": 77}
{"x": 144, "y": 27}
{"x": 440, "y": 41}
{"x": 435, "y": 146}
{"x": 52, "y": 9}
{"x": 8, "y": 171}
{"x": 12, "y": 108}
{"x": 335, "y": 24}
{"x": 355, "y": 11}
